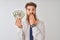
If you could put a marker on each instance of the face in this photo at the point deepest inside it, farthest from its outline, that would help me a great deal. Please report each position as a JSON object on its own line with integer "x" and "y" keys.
{"x": 31, "y": 13}
{"x": 30, "y": 10}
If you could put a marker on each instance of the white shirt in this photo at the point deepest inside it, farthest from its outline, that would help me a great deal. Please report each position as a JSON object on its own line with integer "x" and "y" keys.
{"x": 38, "y": 31}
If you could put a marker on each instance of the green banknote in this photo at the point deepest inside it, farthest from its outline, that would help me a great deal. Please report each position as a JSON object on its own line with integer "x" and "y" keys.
{"x": 18, "y": 13}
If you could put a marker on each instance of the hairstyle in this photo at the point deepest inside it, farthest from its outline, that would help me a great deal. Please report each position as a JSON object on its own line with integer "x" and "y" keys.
{"x": 30, "y": 4}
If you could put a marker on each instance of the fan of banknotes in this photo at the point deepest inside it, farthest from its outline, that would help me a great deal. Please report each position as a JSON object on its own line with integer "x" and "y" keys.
{"x": 18, "y": 13}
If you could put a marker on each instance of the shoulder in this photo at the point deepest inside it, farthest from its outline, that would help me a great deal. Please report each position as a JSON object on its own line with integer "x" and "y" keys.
{"x": 40, "y": 22}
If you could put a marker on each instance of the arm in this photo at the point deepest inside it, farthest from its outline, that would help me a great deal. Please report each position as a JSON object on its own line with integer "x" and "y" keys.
{"x": 42, "y": 30}
{"x": 21, "y": 31}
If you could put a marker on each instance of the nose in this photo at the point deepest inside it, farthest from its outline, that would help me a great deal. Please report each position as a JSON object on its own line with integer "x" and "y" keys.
{"x": 31, "y": 11}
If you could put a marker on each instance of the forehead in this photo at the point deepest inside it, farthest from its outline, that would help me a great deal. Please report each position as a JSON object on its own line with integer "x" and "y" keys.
{"x": 30, "y": 7}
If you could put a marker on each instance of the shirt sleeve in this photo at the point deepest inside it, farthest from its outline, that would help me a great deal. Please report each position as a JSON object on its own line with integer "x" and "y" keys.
{"x": 21, "y": 32}
{"x": 41, "y": 27}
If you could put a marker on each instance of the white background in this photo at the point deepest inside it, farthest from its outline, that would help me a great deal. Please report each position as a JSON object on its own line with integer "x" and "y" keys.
{"x": 47, "y": 11}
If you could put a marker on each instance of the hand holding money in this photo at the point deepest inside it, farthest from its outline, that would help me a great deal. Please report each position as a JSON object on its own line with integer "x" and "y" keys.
{"x": 18, "y": 22}
{"x": 18, "y": 14}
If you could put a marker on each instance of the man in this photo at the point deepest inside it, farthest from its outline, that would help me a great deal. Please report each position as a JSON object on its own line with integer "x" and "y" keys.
{"x": 32, "y": 28}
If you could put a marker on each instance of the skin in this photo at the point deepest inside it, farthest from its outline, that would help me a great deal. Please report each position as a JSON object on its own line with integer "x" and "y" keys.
{"x": 30, "y": 10}
{"x": 18, "y": 23}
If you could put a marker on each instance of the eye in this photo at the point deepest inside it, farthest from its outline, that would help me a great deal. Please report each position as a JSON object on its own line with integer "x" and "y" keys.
{"x": 33, "y": 9}
{"x": 28, "y": 9}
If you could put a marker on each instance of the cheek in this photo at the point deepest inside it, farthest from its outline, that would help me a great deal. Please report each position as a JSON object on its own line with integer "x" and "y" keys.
{"x": 28, "y": 12}
{"x": 34, "y": 12}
